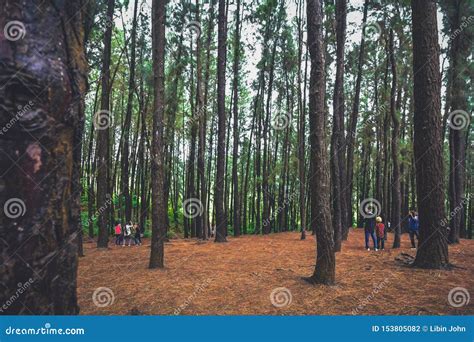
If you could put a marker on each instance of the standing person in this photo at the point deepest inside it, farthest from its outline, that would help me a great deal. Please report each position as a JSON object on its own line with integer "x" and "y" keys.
{"x": 380, "y": 232}
{"x": 118, "y": 233}
{"x": 413, "y": 228}
{"x": 138, "y": 238}
{"x": 128, "y": 234}
{"x": 369, "y": 228}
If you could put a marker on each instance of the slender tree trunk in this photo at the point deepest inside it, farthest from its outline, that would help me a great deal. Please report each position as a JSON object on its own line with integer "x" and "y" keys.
{"x": 205, "y": 194}
{"x": 235, "y": 151}
{"x": 103, "y": 157}
{"x": 325, "y": 271}
{"x": 221, "y": 219}
{"x": 301, "y": 127}
{"x": 396, "y": 193}
{"x": 461, "y": 45}
{"x": 124, "y": 179}
{"x": 353, "y": 122}
{"x": 337, "y": 138}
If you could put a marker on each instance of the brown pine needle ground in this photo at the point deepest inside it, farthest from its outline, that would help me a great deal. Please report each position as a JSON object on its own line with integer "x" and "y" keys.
{"x": 238, "y": 277}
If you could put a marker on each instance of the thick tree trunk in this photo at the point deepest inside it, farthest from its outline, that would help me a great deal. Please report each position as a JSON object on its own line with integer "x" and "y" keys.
{"x": 433, "y": 248}
{"x": 159, "y": 210}
{"x": 221, "y": 219}
{"x": 325, "y": 271}
{"x": 43, "y": 73}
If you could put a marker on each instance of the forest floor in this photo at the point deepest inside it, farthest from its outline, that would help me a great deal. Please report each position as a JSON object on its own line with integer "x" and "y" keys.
{"x": 238, "y": 278}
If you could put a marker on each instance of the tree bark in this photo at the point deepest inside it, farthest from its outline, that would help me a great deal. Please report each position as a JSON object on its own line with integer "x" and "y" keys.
{"x": 221, "y": 219}
{"x": 301, "y": 127}
{"x": 433, "y": 248}
{"x": 235, "y": 129}
{"x": 396, "y": 193}
{"x": 124, "y": 179}
{"x": 159, "y": 210}
{"x": 337, "y": 139}
{"x": 460, "y": 47}
{"x": 324, "y": 272}
{"x": 103, "y": 157}
{"x": 351, "y": 134}
{"x": 45, "y": 74}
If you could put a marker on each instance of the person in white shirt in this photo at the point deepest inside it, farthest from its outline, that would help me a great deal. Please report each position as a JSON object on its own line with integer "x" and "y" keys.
{"x": 128, "y": 234}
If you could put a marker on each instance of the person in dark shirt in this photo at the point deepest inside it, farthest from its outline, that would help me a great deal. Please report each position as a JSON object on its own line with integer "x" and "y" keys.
{"x": 369, "y": 228}
{"x": 413, "y": 228}
{"x": 137, "y": 237}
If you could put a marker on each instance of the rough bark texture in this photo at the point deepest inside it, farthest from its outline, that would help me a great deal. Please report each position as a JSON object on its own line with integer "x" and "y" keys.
{"x": 460, "y": 48}
{"x": 43, "y": 81}
{"x": 301, "y": 127}
{"x": 159, "y": 211}
{"x": 324, "y": 272}
{"x": 221, "y": 218}
{"x": 433, "y": 248}
{"x": 337, "y": 139}
{"x": 396, "y": 193}
{"x": 103, "y": 158}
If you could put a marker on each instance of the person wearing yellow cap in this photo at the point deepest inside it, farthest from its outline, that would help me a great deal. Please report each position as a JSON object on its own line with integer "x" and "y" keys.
{"x": 380, "y": 231}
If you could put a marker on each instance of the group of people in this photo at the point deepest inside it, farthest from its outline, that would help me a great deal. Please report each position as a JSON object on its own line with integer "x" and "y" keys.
{"x": 128, "y": 233}
{"x": 375, "y": 229}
